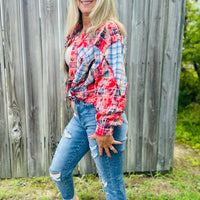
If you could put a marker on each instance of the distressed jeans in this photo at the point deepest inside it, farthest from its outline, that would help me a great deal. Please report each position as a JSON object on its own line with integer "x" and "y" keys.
{"x": 75, "y": 143}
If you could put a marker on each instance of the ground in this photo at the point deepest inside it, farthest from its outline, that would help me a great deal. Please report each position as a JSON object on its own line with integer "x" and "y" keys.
{"x": 182, "y": 183}
{"x": 185, "y": 157}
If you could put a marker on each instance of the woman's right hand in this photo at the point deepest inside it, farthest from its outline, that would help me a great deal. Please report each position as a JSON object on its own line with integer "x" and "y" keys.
{"x": 72, "y": 105}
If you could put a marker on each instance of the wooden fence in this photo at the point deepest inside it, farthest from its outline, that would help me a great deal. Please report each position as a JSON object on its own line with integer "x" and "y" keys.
{"x": 33, "y": 113}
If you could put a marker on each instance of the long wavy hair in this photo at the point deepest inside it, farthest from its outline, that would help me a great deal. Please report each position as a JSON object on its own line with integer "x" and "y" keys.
{"x": 103, "y": 11}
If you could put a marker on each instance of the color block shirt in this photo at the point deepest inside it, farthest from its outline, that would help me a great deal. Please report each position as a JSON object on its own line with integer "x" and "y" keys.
{"x": 97, "y": 74}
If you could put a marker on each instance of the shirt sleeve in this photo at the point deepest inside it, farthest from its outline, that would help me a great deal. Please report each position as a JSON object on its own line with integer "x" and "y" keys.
{"x": 111, "y": 88}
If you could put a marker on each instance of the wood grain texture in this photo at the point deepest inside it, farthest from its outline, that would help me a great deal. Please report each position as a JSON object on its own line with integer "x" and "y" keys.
{"x": 5, "y": 170}
{"x": 51, "y": 76}
{"x": 14, "y": 65}
{"x": 33, "y": 76}
{"x": 35, "y": 106}
{"x": 136, "y": 77}
{"x": 150, "y": 112}
{"x": 170, "y": 83}
{"x": 152, "y": 85}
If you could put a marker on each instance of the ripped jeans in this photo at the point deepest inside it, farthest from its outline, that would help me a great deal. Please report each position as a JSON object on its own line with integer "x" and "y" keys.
{"x": 75, "y": 143}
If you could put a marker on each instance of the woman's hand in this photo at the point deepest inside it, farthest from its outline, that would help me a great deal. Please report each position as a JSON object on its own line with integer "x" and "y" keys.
{"x": 105, "y": 142}
{"x": 72, "y": 105}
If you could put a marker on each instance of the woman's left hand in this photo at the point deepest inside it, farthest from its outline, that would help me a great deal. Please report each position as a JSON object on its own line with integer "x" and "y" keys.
{"x": 105, "y": 142}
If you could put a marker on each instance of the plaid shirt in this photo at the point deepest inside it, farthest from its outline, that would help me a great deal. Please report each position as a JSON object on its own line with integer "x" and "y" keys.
{"x": 97, "y": 74}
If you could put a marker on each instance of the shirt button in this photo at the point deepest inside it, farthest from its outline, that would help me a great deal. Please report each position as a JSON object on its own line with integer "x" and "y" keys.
{"x": 72, "y": 75}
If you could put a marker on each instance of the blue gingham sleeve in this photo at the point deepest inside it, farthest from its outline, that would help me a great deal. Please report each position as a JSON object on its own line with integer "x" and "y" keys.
{"x": 115, "y": 54}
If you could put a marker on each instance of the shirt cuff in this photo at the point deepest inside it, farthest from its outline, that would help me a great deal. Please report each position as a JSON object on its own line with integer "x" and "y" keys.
{"x": 102, "y": 131}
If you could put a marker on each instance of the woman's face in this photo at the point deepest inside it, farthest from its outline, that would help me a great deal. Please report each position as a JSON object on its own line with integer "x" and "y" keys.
{"x": 86, "y": 6}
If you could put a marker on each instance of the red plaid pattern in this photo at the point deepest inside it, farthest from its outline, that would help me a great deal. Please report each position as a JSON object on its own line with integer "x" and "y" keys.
{"x": 94, "y": 78}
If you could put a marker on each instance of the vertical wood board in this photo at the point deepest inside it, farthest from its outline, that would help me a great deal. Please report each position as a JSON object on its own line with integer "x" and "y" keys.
{"x": 152, "y": 85}
{"x": 136, "y": 92}
{"x": 15, "y": 87}
{"x": 33, "y": 109}
{"x": 170, "y": 83}
{"x": 51, "y": 76}
{"x": 33, "y": 83}
{"x": 5, "y": 171}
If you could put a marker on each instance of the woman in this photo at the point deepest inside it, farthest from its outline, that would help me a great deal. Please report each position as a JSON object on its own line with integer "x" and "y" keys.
{"x": 97, "y": 86}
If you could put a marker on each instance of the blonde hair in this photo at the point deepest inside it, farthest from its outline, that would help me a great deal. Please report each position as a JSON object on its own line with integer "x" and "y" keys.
{"x": 103, "y": 11}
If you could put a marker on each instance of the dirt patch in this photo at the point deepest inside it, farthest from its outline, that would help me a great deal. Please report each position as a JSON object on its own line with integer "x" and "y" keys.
{"x": 185, "y": 157}
{"x": 164, "y": 187}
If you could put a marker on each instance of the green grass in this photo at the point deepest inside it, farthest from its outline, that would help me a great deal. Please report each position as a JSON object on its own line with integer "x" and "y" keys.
{"x": 188, "y": 126}
{"x": 180, "y": 184}
{"x": 183, "y": 183}
{"x": 177, "y": 185}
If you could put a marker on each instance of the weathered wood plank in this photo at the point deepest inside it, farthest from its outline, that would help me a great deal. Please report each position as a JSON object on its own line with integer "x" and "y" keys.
{"x": 34, "y": 94}
{"x": 37, "y": 112}
{"x": 5, "y": 171}
{"x": 14, "y": 65}
{"x": 170, "y": 82}
{"x": 51, "y": 76}
{"x": 136, "y": 77}
{"x": 152, "y": 85}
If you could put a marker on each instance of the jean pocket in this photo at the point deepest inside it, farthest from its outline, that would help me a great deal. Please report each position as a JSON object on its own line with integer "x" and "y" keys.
{"x": 120, "y": 134}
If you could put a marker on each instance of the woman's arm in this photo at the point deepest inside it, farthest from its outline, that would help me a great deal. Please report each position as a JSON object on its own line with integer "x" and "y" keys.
{"x": 111, "y": 87}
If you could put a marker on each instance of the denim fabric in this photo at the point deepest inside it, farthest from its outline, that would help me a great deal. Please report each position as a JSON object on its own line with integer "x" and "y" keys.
{"x": 75, "y": 143}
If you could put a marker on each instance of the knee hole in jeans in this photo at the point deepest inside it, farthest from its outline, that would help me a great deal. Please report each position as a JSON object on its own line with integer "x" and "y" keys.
{"x": 55, "y": 176}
